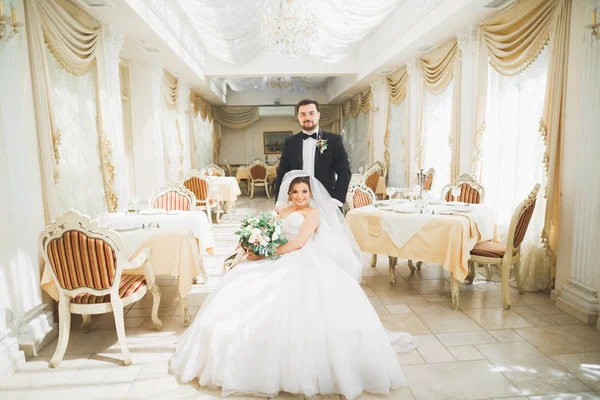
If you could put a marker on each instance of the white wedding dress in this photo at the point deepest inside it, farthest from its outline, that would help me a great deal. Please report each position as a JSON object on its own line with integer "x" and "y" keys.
{"x": 297, "y": 324}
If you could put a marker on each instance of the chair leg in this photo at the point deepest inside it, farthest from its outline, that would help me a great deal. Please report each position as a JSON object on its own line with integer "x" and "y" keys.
{"x": 411, "y": 266}
{"x": 117, "y": 305}
{"x": 187, "y": 319}
{"x": 505, "y": 272}
{"x": 373, "y": 260}
{"x": 517, "y": 269}
{"x": 471, "y": 277}
{"x": 251, "y": 190}
{"x": 488, "y": 272}
{"x": 267, "y": 191}
{"x": 87, "y": 321}
{"x": 156, "y": 295}
{"x": 64, "y": 315}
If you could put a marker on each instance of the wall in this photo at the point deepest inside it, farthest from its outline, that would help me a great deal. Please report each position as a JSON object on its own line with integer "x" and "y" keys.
{"x": 242, "y": 146}
{"x": 23, "y": 314}
{"x": 570, "y": 144}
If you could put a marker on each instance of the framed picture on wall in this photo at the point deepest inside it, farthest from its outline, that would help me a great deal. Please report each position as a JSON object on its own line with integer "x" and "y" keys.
{"x": 273, "y": 141}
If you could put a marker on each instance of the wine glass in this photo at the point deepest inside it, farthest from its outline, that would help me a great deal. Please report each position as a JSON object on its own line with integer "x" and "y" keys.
{"x": 390, "y": 190}
{"x": 135, "y": 200}
{"x": 426, "y": 196}
{"x": 456, "y": 190}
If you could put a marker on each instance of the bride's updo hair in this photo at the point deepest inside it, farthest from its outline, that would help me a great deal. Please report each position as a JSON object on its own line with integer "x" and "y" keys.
{"x": 297, "y": 180}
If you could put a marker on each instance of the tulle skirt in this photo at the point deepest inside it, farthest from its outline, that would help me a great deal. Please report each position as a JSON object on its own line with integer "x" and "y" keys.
{"x": 297, "y": 324}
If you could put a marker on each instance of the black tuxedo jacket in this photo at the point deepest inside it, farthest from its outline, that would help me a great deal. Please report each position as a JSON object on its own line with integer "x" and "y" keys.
{"x": 333, "y": 161}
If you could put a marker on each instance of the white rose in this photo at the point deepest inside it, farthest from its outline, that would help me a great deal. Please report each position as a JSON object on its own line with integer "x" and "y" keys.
{"x": 275, "y": 235}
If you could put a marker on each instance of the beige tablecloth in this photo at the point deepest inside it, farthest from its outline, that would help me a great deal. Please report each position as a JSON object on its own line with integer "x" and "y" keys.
{"x": 244, "y": 173}
{"x": 444, "y": 239}
{"x": 224, "y": 188}
{"x": 174, "y": 252}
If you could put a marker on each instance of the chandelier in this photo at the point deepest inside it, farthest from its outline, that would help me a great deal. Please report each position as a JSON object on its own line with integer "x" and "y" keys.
{"x": 279, "y": 82}
{"x": 289, "y": 30}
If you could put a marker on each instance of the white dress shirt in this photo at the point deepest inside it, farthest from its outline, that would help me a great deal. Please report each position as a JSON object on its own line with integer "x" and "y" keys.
{"x": 309, "y": 146}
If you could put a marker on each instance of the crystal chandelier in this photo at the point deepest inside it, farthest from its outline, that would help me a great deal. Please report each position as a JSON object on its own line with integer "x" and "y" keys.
{"x": 279, "y": 82}
{"x": 290, "y": 30}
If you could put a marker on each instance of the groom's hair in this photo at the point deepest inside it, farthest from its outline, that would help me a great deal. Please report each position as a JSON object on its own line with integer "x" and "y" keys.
{"x": 305, "y": 102}
{"x": 297, "y": 180}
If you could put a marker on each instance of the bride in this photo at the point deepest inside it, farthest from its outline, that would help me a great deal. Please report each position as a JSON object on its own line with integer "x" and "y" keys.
{"x": 300, "y": 323}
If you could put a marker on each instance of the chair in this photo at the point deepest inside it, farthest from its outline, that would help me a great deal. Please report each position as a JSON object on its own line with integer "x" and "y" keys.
{"x": 200, "y": 187}
{"x": 506, "y": 254}
{"x": 429, "y": 175}
{"x": 374, "y": 173}
{"x": 213, "y": 170}
{"x": 360, "y": 195}
{"x": 228, "y": 168}
{"x": 258, "y": 177}
{"x": 471, "y": 190}
{"x": 173, "y": 196}
{"x": 87, "y": 263}
{"x": 273, "y": 180}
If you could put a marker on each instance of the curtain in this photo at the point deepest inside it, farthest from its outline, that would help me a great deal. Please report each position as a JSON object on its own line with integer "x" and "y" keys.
{"x": 356, "y": 142}
{"x": 397, "y": 145}
{"x": 202, "y": 148}
{"x": 206, "y": 132}
{"x": 173, "y": 143}
{"x": 510, "y": 42}
{"x": 437, "y": 151}
{"x": 512, "y": 159}
{"x": 236, "y": 117}
{"x": 79, "y": 170}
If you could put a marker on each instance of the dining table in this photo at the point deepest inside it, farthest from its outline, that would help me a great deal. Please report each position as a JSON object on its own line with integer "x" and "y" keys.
{"x": 442, "y": 233}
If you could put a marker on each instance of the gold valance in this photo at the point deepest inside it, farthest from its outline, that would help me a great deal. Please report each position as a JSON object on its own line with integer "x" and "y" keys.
{"x": 236, "y": 117}
{"x": 437, "y": 66}
{"x": 330, "y": 114}
{"x": 396, "y": 84}
{"x": 201, "y": 106}
{"x": 169, "y": 90}
{"x": 70, "y": 34}
{"x": 360, "y": 102}
{"x": 514, "y": 38}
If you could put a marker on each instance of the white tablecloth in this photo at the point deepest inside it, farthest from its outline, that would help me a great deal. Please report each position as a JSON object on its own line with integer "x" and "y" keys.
{"x": 195, "y": 221}
{"x": 402, "y": 227}
{"x": 224, "y": 188}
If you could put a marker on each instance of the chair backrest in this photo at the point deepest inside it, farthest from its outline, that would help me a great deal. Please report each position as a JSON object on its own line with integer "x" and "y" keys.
{"x": 213, "y": 170}
{"x": 258, "y": 171}
{"x": 372, "y": 179}
{"x": 198, "y": 185}
{"x": 173, "y": 196}
{"x": 379, "y": 167}
{"x": 228, "y": 168}
{"x": 83, "y": 256}
{"x": 520, "y": 219}
{"x": 470, "y": 190}
{"x": 429, "y": 179}
{"x": 360, "y": 195}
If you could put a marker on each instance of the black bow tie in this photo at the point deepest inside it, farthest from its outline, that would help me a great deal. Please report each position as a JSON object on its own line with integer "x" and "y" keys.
{"x": 314, "y": 136}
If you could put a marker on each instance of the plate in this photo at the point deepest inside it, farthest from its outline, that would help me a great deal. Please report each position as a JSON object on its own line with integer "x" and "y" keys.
{"x": 444, "y": 212}
{"x": 384, "y": 208}
{"x": 399, "y": 201}
{"x": 405, "y": 210}
{"x": 173, "y": 212}
{"x": 434, "y": 201}
{"x": 461, "y": 209}
{"x": 152, "y": 211}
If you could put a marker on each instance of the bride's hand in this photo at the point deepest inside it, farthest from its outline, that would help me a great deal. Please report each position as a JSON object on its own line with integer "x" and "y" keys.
{"x": 250, "y": 256}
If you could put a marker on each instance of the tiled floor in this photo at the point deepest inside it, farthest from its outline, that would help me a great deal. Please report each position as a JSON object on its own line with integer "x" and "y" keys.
{"x": 533, "y": 351}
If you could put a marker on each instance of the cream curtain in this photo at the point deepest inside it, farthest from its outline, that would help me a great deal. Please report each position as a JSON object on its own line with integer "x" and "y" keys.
{"x": 397, "y": 125}
{"x": 510, "y": 42}
{"x": 205, "y": 133}
{"x": 236, "y": 117}
{"x": 438, "y": 68}
{"x": 74, "y": 40}
{"x": 171, "y": 129}
{"x": 330, "y": 116}
{"x": 358, "y": 103}
{"x": 357, "y": 129}
{"x": 169, "y": 90}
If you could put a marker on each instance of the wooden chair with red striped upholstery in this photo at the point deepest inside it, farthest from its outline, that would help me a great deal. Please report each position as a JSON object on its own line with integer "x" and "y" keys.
{"x": 200, "y": 186}
{"x": 86, "y": 261}
{"x": 429, "y": 175}
{"x": 508, "y": 254}
{"x": 471, "y": 191}
{"x": 360, "y": 195}
{"x": 173, "y": 196}
{"x": 374, "y": 173}
{"x": 258, "y": 177}
{"x": 213, "y": 170}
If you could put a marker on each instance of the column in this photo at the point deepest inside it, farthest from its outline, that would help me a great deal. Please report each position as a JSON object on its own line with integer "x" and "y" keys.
{"x": 379, "y": 115}
{"x": 415, "y": 98}
{"x": 112, "y": 113}
{"x": 146, "y": 125}
{"x": 579, "y": 296}
{"x": 468, "y": 44}
{"x": 183, "y": 110}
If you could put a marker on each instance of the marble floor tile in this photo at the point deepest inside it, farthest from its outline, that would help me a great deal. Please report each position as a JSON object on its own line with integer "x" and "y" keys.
{"x": 535, "y": 317}
{"x": 497, "y": 318}
{"x": 458, "y": 380}
{"x": 398, "y": 309}
{"x": 441, "y": 318}
{"x": 505, "y": 335}
{"x": 565, "y": 339}
{"x": 531, "y": 371}
{"x": 432, "y": 286}
{"x": 414, "y": 299}
{"x": 432, "y": 350}
{"x": 567, "y": 396}
{"x": 465, "y": 338}
{"x": 585, "y": 366}
{"x": 412, "y": 357}
{"x": 465, "y": 353}
{"x": 409, "y": 323}
{"x": 396, "y": 394}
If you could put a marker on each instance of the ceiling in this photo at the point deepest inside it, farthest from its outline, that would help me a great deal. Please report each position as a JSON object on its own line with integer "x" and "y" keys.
{"x": 219, "y": 49}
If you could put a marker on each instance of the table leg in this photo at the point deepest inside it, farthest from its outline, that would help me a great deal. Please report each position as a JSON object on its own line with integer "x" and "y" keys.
{"x": 374, "y": 260}
{"x": 184, "y": 310}
{"x": 411, "y": 266}
{"x": 392, "y": 269}
{"x": 455, "y": 290}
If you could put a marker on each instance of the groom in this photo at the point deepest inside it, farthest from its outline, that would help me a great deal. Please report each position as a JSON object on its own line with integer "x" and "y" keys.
{"x": 317, "y": 152}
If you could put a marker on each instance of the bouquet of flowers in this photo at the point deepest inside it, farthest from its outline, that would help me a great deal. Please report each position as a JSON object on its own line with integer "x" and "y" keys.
{"x": 260, "y": 234}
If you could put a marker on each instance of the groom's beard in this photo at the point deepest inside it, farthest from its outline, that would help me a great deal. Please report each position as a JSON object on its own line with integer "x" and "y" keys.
{"x": 308, "y": 126}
